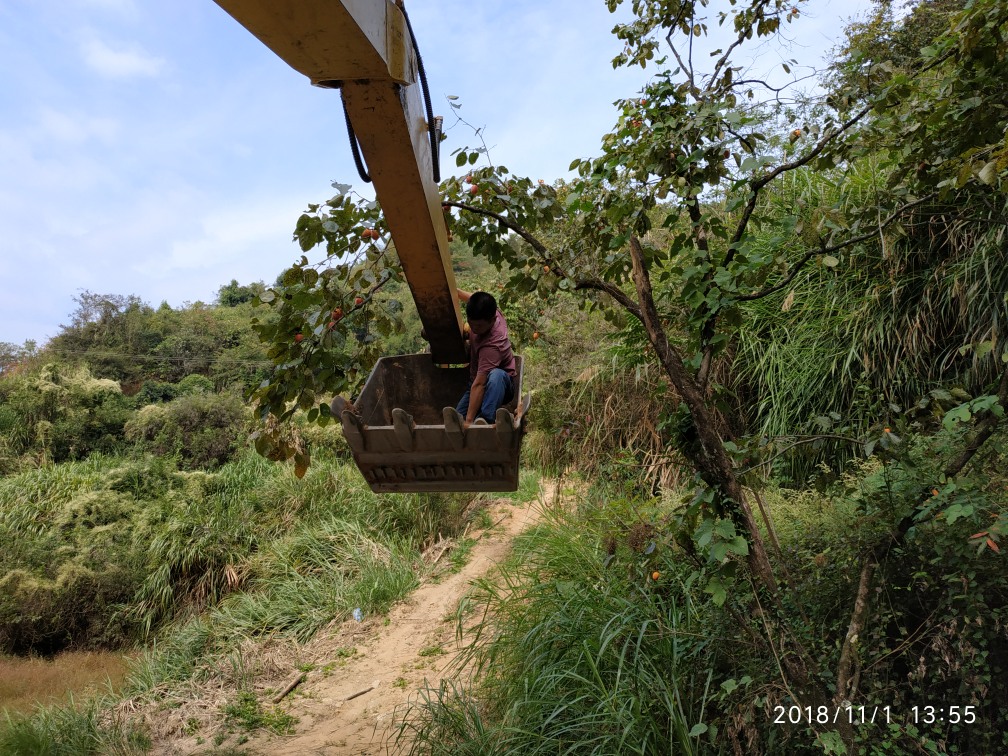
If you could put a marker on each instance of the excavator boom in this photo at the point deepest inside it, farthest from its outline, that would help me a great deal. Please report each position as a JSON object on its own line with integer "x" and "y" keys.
{"x": 364, "y": 48}
{"x": 402, "y": 433}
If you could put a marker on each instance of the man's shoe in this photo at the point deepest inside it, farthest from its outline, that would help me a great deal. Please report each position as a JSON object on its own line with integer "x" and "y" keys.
{"x": 481, "y": 421}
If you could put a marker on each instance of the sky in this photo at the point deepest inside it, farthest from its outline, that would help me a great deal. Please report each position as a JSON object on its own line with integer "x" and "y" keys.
{"x": 159, "y": 149}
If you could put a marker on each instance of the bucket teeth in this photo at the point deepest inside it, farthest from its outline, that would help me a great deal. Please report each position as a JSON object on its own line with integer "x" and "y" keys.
{"x": 505, "y": 428}
{"x": 337, "y": 405}
{"x": 353, "y": 430}
{"x": 453, "y": 427}
{"x": 403, "y": 424}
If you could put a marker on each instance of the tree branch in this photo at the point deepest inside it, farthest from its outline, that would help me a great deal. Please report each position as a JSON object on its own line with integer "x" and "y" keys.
{"x": 849, "y": 650}
{"x": 757, "y": 185}
{"x": 508, "y": 223}
{"x": 809, "y": 440}
{"x": 588, "y": 283}
{"x": 613, "y": 291}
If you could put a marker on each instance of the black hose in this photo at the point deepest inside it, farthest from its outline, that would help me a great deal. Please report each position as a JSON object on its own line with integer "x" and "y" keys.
{"x": 435, "y": 147}
{"x": 361, "y": 170}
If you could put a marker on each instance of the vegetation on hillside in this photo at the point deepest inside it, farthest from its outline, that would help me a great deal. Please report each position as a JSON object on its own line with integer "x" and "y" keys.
{"x": 765, "y": 332}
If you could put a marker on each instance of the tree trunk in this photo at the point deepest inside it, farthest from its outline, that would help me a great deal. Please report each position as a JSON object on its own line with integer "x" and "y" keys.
{"x": 715, "y": 460}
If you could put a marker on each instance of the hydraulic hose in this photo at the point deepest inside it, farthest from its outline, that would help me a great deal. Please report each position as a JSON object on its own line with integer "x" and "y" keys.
{"x": 435, "y": 137}
{"x": 354, "y": 148}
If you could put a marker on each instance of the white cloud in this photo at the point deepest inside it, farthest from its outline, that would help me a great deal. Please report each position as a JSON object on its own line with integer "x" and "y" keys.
{"x": 76, "y": 128}
{"x": 120, "y": 64}
{"x": 228, "y": 234}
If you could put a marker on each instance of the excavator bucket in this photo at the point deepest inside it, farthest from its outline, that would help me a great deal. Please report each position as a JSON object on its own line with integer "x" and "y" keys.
{"x": 401, "y": 441}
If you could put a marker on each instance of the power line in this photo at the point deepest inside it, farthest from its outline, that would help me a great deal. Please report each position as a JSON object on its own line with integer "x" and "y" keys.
{"x": 142, "y": 358}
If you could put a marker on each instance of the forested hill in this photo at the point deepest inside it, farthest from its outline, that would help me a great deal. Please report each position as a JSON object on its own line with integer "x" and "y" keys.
{"x": 126, "y": 339}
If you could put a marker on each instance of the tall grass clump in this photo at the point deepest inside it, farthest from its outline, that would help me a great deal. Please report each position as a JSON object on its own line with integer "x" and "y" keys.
{"x": 298, "y": 550}
{"x": 74, "y": 729}
{"x": 100, "y": 552}
{"x": 321, "y": 572}
{"x": 900, "y": 315}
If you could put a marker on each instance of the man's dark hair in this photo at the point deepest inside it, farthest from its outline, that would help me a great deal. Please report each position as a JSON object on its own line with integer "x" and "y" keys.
{"x": 481, "y": 306}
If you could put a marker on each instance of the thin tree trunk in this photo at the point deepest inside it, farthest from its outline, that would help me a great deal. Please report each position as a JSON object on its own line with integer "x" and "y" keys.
{"x": 857, "y": 623}
{"x": 715, "y": 460}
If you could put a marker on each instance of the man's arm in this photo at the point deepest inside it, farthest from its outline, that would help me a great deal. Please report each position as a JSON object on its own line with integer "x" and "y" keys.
{"x": 476, "y": 392}
{"x": 463, "y": 295}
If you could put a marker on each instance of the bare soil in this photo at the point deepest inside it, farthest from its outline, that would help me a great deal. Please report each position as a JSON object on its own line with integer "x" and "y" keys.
{"x": 389, "y": 657}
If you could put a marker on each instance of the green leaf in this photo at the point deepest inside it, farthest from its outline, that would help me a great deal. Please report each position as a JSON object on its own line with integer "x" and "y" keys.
{"x": 956, "y": 511}
{"x": 831, "y": 742}
{"x": 461, "y": 159}
{"x": 698, "y": 729}
{"x": 717, "y": 590}
{"x": 473, "y": 157}
{"x": 729, "y": 685}
{"x": 830, "y": 262}
{"x": 739, "y": 546}
{"x": 725, "y": 529}
{"x": 957, "y": 415}
{"x": 267, "y": 296}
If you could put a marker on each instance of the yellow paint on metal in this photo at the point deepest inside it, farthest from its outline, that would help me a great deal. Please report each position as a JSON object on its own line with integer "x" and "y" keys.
{"x": 364, "y": 47}
{"x": 397, "y": 152}
{"x": 331, "y": 40}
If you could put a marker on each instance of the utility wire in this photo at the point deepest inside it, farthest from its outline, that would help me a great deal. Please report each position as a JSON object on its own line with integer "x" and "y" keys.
{"x": 142, "y": 358}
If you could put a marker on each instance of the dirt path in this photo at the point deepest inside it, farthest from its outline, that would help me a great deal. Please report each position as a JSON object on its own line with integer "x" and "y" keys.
{"x": 394, "y": 658}
{"x": 388, "y": 657}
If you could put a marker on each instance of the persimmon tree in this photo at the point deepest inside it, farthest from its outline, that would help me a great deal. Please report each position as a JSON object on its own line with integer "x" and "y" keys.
{"x": 325, "y": 318}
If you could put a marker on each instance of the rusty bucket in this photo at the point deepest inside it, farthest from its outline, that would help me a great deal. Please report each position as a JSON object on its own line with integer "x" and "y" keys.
{"x": 401, "y": 443}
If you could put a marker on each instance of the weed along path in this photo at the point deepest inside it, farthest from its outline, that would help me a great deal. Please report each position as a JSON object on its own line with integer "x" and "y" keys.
{"x": 393, "y": 660}
{"x": 345, "y": 685}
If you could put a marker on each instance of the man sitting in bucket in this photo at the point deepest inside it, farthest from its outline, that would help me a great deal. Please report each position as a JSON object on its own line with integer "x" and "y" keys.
{"x": 491, "y": 363}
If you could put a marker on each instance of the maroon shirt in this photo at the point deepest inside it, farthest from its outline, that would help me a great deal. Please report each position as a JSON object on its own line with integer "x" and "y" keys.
{"x": 491, "y": 350}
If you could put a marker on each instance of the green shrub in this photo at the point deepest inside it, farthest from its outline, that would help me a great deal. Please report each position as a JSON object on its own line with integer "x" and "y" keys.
{"x": 203, "y": 430}
{"x": 156, "y": 392}
{"x": 60, "y": 413}
{"x": 246, "y": 712}
{"x": 195, "y": 382}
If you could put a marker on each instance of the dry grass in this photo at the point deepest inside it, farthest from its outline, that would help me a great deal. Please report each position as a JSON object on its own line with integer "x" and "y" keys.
{"x": 26, "y": 681}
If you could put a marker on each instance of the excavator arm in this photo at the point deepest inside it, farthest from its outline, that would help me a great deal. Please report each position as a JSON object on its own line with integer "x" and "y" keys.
{"x": 403, "y": 430}
{"x": 364, "y": 48}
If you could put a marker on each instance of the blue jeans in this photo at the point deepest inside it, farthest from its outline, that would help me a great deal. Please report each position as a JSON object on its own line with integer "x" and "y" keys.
{"x": 499, "y": 391}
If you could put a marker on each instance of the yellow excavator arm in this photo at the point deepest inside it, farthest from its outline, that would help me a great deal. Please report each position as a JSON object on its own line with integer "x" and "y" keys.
{"x": 364, "y": 48}
{"x": 403, "y": 429}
